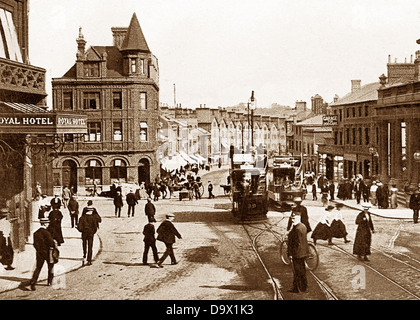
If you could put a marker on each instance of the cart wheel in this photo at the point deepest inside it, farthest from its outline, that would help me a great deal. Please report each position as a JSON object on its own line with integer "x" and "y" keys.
{"x": 312, "y": 260}
{"x": 283, "y": 253}
{"x": 201, "y": 190}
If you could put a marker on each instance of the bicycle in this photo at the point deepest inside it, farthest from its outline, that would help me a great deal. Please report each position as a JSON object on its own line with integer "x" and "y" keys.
{"x": 312, "y": 260}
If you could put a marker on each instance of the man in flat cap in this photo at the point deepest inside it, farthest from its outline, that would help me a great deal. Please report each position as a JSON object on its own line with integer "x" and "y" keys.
{"x": 166, "y": 233}
{"x": 43, "y": 243}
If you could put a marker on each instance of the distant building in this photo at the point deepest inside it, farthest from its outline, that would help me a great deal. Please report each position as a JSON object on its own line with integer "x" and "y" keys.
{"x": 118, "y": 88}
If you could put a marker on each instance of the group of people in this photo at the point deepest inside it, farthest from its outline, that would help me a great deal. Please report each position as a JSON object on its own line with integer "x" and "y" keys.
{"x": 49, "y": 236}
{"x": 330, "y": 226}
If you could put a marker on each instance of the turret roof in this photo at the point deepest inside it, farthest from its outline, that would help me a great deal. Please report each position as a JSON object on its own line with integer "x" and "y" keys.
{"x": 134, "y": 39}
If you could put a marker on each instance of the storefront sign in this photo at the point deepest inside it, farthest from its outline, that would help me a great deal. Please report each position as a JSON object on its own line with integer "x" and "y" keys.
{"x": 330, "y": 120}
{"x": 43, "y": 123}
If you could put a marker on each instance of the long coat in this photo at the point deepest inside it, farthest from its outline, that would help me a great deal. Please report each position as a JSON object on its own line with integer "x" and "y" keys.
{"x": 167, "y": 232}
{"x": 131, "y": 199}
{"x": 43, "y": 241}
{"x": 54, "y": 228}
{"x": 363, "y": 237}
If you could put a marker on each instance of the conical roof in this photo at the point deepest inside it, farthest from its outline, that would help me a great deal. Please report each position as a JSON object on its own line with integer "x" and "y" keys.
{"x": 134, "y": 39}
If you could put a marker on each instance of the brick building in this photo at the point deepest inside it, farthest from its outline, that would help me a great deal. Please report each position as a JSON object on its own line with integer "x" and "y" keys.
{"x": 118, "y": 88}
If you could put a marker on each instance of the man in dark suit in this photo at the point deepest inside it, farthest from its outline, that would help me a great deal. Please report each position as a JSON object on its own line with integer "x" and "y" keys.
{"x": 415, "y": 204}
{"x": 150, "y": 210}
{"x": 303, "y": 213}
{"x": 43, "y": 243}
{"x": 358, "y": 191}
{"x": 131, "y": 202}
{"x": 150, "y": 241}
{"x": 297, "y": 249}
{"x": 166, "y": 233}
{"x": 118, "y": 203}
{"x": 88, "y": 225}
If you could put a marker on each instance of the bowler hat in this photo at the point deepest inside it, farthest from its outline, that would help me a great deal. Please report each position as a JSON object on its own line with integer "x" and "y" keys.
{"x": 366, "y": 205}
{"x": 170, "y": 215}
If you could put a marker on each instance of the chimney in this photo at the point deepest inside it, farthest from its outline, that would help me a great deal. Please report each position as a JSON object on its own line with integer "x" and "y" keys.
{"x": 336, "y": 97}
{"x": 118, "y": 35}
{"x": 355, "y": 85}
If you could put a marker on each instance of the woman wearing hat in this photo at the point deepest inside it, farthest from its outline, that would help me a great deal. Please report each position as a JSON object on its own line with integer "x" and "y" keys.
{"x": 323, "y": 228}
{"x": 364, "y": 232}
{"x": 338, "y": 229}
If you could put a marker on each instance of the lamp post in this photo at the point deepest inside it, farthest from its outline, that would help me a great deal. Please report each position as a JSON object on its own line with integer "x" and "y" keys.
{"x": 416, "y": 156}
{"x": 372, "y": 152}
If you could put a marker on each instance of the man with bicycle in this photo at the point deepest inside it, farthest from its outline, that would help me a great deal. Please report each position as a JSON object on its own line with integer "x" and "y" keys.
{"x": 297, "y": 247}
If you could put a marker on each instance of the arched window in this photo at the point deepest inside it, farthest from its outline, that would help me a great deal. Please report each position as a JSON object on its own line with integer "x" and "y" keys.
{"x": 93, "y": 172}
{"x": 118, "y": 171}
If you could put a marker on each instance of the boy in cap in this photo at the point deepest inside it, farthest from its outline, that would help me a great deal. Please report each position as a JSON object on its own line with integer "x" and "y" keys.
{"x": 166, "y": 233}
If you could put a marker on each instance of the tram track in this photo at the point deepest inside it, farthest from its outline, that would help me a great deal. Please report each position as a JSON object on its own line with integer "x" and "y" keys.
{"x": 375, "y": 269}
{"x": 277, "y": 288}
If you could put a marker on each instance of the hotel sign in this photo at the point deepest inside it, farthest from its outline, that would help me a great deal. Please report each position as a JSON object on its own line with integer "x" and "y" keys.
{"x": 44, "y": 123}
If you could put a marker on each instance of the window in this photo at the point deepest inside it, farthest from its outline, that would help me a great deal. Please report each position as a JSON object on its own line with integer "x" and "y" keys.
{"x": 142, "y": 66}
{"x": 335, "y": 138}
{"x": 9, "y": 46}
{"x": 367, "y": 141}
{"x": 117, "y": 100}
{"x": 118, "y": 171}
{"x": 347, "y": 136}
{"x": 94, "y": 132}
{"x": 69, "y": 137}
{"x": 360, "y": 111}
{"x": 67, "y": 101}
{"x": 354, "y": 135}
{"x": 93, "y": 172}
{"x": 360, "y": 137}
{"x": 366, "y": 111}
{"x": 354, "y": 112}
{"x": 341, "y": 115}
{"x": 133, "y": 65}
{"x": 91, "y": 100}
{"x": 143, "y": 101}
{"x": 341, "y": 138}
{"x": 91, "y": 69}
{"x": 117, "y": 131}
{"x": 143, "y": 131}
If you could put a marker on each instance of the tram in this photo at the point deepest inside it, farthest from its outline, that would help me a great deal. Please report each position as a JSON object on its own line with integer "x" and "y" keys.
{"x": 248, "y": 188}
{"x": 284, "y": 181}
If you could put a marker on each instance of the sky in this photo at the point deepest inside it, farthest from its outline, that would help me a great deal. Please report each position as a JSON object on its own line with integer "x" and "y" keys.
{"x": 217, "y": 52}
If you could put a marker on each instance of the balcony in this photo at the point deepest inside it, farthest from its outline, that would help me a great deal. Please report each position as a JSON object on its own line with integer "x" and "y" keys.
{"x": 22, "y": 78}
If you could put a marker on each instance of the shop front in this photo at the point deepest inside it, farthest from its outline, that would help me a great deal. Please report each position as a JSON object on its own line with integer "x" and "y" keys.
{"x": 30, "y": 137}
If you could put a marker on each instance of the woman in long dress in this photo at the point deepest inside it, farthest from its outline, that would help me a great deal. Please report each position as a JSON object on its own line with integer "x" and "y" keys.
{"x": 364, "y": 232}
{"x": 338, "y": 229}
{"x": 394, "y": 200}
{"x": 54, "y": 228}
{"x": 323, "y": 228}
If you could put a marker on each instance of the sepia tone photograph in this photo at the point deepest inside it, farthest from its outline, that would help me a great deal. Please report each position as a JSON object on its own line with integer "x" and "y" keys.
{"x": 227, "y": 152}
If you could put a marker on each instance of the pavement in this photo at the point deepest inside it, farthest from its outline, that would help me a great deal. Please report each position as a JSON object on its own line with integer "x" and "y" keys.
{"x": 71, "y": 255}
{"x": 71, "y": 250}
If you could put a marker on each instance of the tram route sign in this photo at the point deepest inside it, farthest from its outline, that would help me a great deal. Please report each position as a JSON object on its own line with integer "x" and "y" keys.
{"x": 329, "y": 120}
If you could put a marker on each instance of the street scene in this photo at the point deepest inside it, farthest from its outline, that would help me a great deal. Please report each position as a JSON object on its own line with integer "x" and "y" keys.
{"x": 125, "y": 179}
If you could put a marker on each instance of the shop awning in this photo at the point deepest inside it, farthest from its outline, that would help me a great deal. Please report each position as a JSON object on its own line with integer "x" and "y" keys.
{"x": 188, "y": 158}
{"x": 33, "y": 119}
{"x": 201, "y": 158}
{"x": 171, "y": 163}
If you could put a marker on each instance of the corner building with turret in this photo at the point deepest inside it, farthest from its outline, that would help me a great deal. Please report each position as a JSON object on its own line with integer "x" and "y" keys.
{"x": 118, "y": 88}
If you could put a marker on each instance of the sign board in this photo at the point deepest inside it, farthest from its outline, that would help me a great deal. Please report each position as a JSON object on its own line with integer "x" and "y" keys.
{"x": 44, "y": 123}
{"x": 330, "y": 120}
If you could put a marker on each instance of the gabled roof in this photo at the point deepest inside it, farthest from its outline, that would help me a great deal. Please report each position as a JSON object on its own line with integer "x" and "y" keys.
{"x": 134, "y": 39}
{"x": 367, "y": 92}
{"x": 312, "y": 121}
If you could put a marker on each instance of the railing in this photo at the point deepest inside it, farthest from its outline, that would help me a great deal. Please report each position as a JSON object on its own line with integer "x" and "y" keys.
{"x": 16, "y": 76}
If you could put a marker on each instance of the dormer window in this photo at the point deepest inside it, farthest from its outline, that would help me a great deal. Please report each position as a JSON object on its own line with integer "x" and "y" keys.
{"x": 133, "y": 65}
{"x": 91, "y": 69}
{"x": 142, "y": 66}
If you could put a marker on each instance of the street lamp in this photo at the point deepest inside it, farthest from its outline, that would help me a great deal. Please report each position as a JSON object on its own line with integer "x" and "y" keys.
{"x": 251, "y": 104}
{"x": 416, "y": 156}
{"x": 372, "y": 152}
